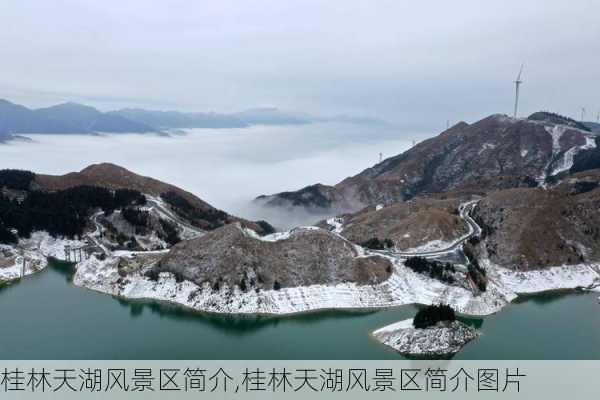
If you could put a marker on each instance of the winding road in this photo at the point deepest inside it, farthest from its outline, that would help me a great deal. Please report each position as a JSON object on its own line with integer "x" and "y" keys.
{"x": 465, "y": 210}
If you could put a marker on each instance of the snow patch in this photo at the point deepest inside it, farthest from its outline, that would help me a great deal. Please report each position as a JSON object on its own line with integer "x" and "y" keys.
{"x": 30, "y": 255}
{"x": 440, "y": 339}
{"x": 337, "y": 223}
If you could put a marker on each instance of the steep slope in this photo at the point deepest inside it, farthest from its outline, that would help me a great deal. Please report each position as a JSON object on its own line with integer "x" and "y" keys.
{"x": 494, "y": 153}
{"x": 533, "y": 228}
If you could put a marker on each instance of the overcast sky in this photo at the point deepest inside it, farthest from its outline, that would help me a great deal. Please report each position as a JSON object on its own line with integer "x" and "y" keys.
{"x": 414, "y": 63}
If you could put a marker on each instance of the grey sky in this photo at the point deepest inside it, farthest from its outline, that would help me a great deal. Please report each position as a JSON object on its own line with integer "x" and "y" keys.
{"x": 414, "y": 63}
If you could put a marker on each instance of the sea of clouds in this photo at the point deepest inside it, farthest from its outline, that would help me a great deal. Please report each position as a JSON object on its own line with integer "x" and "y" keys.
{"x": 225, "y": 167}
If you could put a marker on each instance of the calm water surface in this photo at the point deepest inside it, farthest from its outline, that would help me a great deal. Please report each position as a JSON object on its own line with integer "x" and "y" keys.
{"x": 45, "y": 317}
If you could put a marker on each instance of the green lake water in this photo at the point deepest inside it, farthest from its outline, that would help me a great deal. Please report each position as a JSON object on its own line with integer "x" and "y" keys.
{"x": 45, "y": 317}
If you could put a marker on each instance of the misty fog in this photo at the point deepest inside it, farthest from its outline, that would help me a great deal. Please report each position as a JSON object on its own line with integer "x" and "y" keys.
{"x": 225, "y": 167}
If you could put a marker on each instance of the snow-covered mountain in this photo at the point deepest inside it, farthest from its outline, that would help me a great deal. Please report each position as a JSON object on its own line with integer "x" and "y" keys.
{"x": 494, "y": 153}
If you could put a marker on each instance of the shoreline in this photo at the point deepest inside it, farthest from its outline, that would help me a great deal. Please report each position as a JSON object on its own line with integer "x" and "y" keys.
{"x": 403, "y": 288}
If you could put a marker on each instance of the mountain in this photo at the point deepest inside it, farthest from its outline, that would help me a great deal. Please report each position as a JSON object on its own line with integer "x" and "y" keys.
{"x": 255, "y": 116}
{"x": 111, "y": 206}
{"x": 72, "y": 117}
{"x": 175, "y": 119}
{"x": 533, "y": 228}
{"x": 274, "y": 116}
{"x": 15, "y": 118}
{"x": 494, "y": 153}
{"x": 88, "y": 119}
{"x": 113, "y": 177}
{"x": 62, "y": 119}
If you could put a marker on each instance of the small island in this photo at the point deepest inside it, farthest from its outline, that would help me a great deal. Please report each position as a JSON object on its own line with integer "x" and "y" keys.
{"x": 434, "y": 331}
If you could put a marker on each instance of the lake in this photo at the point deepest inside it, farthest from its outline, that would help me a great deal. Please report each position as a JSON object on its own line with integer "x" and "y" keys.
{"x": 45, "y": 317}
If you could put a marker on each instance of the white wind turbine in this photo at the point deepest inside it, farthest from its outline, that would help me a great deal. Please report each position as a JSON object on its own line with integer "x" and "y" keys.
{"x": 517, "y": 84}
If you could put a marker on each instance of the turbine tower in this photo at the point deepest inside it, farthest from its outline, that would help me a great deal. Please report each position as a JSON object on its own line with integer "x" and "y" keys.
{"x": 517, "y": 84}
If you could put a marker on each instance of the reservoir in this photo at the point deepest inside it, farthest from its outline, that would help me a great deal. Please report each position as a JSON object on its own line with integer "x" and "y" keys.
{"x": 45, "y": 317}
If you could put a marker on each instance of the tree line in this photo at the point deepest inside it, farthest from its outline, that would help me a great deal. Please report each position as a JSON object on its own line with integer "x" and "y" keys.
{"x": 63, "y": 212}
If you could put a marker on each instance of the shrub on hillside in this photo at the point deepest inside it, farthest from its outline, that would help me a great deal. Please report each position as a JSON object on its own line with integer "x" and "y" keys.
{"x": 431, "y": 315}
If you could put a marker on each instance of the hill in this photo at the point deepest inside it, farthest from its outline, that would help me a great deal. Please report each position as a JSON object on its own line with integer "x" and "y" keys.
{"x": 134, "y": 211}
{"x": 497, "y": 152}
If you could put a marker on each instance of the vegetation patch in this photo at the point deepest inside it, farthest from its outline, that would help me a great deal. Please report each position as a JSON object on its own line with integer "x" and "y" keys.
{"x": 434, "y": 269}
{"x": 378, "y": 244}
{"x": 169, "y": 232}
{"x": 16, "y": 179}
{"x": 64, "y": 212}
{"x": 431, "y": 315}
{"x": 475, "y": 271}
{"x": 215, "y": 218}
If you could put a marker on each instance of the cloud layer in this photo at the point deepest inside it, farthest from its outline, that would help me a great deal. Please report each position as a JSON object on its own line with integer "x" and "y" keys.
{"x": 415, "y": 63}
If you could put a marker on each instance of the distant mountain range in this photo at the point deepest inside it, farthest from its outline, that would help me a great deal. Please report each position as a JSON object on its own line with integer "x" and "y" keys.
{"x": 64, "y": 118}
{"x": 71, "y": 118}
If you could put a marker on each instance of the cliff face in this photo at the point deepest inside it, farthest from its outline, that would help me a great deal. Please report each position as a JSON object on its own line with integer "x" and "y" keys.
{"x": 495, "y": 153}
{"x": 233, "y": 256}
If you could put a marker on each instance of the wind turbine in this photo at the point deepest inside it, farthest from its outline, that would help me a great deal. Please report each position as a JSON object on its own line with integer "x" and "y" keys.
{"x": 517, "y": 84}
{"x": 582, "y": 114}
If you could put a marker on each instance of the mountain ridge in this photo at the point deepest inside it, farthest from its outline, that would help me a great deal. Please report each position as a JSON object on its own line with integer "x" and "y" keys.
{"x": 494, "y": 153}
{"x": 76, "y": 118}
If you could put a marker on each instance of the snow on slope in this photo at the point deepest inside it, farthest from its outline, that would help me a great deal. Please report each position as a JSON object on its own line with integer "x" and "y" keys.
{"x": 402, "y": 288}
{"x": 34, "y": 251}
{"x": 566, "y": 161}
{"x": 440, "y": 339}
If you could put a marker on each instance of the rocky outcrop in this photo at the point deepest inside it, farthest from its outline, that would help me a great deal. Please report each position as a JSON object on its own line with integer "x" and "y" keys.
{"x": 232, "y": 256}
{"x": 497, "y": 152}
{"x": 442, "y": 339}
